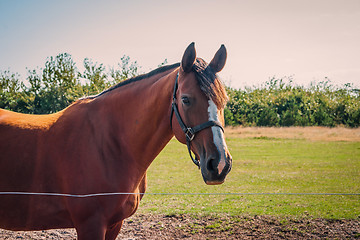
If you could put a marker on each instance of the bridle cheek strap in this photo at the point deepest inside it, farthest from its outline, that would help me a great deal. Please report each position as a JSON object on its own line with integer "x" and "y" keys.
{"x": 189, "y": 131}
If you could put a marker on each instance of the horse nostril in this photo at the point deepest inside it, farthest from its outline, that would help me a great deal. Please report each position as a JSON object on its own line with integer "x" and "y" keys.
{"x": 211, "y": 165}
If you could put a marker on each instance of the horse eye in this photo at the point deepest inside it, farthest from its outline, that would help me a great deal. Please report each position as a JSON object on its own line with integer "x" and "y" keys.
{"x": 185, "y": 100}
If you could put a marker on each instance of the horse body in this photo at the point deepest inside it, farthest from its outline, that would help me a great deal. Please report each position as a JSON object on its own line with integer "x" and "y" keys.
{"x": 99, "y": 144}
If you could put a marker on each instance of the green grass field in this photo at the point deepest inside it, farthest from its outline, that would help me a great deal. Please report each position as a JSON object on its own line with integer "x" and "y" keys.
{"x": 261, "y": 165}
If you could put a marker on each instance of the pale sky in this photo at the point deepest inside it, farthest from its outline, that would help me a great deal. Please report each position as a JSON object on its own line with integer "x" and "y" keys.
{"x": 306, "y": 39}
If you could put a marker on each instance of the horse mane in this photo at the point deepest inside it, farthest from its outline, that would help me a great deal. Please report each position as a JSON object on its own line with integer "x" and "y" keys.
{"x": 209, "y": 83}
{"x": 135, "y": 79}
{"x": 207, "y": 79}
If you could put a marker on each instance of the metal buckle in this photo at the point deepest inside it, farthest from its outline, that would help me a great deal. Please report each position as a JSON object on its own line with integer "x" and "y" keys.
{"x": 189, "y": 134}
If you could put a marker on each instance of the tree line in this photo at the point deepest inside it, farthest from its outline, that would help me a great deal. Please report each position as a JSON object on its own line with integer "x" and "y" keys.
{"x": 60, "y": 83}
{"x": 277, "y": 102}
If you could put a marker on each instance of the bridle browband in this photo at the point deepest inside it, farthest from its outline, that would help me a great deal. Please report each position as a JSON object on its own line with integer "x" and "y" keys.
{"x": 189, "y": 131}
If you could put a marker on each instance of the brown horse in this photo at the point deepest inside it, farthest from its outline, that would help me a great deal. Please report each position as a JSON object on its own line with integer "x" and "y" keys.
{"x": 105, "y": 143}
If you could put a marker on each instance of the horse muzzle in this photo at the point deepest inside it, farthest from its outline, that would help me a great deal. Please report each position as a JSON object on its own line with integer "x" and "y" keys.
{"x": 214, "y": 169}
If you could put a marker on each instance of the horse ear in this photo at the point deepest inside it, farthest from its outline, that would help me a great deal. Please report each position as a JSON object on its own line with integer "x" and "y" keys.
{"x": 218, "y": 62}
{"x": 188, "y": 58}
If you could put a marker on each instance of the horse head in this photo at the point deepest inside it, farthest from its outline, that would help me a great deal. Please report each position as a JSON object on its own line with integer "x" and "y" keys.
{"x": 198, "y": 103}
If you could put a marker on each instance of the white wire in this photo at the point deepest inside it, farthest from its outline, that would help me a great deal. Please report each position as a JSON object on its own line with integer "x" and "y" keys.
{"x": 119, "y": 193}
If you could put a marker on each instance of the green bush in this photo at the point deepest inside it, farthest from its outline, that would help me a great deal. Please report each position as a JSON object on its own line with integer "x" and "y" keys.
{"x": 279, "y": 102}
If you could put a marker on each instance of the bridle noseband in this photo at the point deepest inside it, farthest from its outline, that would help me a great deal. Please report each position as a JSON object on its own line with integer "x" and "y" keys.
{"x": 189, "y": 131}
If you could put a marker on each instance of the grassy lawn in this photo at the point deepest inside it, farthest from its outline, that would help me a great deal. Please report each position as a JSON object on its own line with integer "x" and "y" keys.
{"x": 261, "y": 165}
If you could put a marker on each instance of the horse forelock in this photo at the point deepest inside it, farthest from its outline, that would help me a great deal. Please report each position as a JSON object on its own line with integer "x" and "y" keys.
{"x": 209, "y": 83}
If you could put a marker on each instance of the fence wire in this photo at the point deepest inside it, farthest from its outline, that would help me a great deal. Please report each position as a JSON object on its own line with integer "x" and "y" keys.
{"x": 169, "y": 194}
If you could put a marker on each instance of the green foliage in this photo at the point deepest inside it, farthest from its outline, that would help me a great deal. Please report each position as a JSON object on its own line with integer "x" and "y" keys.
{"x": 277, "y": 103}
{"x": 11, "y": 96}
{"x": 95, "y": 76}
{"x": 124, "y": 70}
{"x": 59, "y": 83}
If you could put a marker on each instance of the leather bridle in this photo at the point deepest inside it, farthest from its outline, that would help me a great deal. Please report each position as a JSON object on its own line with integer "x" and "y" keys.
{"x": 189, "y": 131}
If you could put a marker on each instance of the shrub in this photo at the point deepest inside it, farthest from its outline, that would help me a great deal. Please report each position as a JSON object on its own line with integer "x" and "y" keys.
{"x": 279, "y": 102}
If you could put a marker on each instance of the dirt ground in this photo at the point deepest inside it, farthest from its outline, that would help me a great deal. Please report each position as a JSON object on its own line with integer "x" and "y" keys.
{"x": 258, "y": 227}
{"x": 150, "y": 226}
{"x": 215, "y": 227}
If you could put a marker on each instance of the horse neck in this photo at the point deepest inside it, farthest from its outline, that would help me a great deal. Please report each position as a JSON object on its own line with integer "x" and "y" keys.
{"x": 138, "y": 117}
